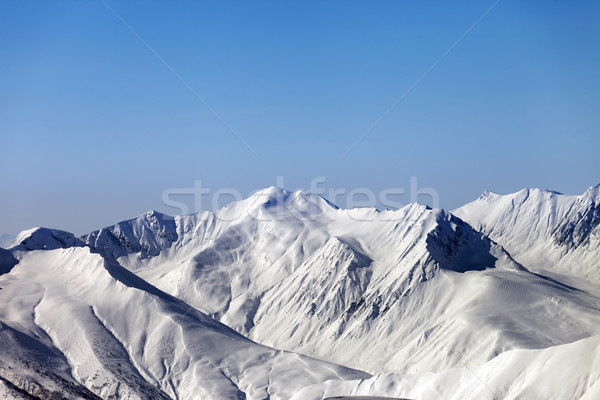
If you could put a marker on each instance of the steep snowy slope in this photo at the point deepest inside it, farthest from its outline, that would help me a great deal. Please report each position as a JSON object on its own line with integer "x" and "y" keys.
{"x": 30, "y": 367}
{"x": 408, "y": 290}
{"x": 74, "y": 321}
{"x": 542, "y": 229}
{"x": 569, "y": 371}
{"x": 145, "y": 235}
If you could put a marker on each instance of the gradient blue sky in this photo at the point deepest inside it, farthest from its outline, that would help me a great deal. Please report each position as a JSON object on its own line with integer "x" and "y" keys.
{"x": 93, "y": 128}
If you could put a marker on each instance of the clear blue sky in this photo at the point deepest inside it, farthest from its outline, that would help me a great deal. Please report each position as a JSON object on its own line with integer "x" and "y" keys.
{"x": 93, "y": 128}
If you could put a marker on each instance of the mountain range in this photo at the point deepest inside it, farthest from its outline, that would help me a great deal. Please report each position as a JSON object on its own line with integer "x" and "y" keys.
{"x": 285, "y": 295}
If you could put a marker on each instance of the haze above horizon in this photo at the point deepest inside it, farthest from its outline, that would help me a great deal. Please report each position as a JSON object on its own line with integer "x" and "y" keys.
{"x": 94, "y": 127}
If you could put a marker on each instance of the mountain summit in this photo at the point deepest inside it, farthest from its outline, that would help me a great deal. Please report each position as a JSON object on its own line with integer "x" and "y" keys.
{"x": 542, "y": 229}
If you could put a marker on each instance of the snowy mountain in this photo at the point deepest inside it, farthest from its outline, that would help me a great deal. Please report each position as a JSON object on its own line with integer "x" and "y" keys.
{"x": 542, "y": 229}
{"x": 145, "y": 235}
{"x": 45, "y": 239}
{"x": 194, "y": 306}
{"x": 290, "y": 270}
{"x": 75, "y": 323}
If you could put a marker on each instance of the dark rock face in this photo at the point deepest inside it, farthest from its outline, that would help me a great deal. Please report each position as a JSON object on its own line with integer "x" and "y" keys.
{"x": 48, "y": 239}
{"x": 578, "y": 231}
{"x": 7, "y": 261}
{"x": 46, "y": 368}
{"x": 456, "y": 246}
{"x": 148, "y": 235}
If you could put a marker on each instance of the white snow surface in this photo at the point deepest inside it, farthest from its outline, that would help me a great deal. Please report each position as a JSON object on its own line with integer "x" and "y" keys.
{"x": 175, "y": 307}
{"x": 408, "y": 291}
{"x": 100, "y": 328}
{"x": 568, "y": 371}
{"x": 542, "y": 229}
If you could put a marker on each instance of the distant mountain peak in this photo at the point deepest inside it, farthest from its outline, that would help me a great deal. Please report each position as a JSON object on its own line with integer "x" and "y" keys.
{"x": 270, "y": 191}
{"x": 277, "y": 203}
{"x": 488, "y": 192}
{"x": 40, "y": 238}
{"x": 593, "y": 192}
{"x": 542, "y": 228}
{"x": 541, "y": 191}
{"x": 146, "y": 234}
{"x": 154, "y": 214}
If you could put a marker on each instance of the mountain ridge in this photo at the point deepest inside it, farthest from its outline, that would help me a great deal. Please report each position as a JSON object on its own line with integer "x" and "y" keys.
{"x": 541, "y": 229}
{"x": 245, "y": 263}
{"x": 404, "y": 291}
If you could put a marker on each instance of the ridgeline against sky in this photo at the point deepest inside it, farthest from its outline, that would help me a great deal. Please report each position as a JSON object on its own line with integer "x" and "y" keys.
{"x": 103, "y": 106}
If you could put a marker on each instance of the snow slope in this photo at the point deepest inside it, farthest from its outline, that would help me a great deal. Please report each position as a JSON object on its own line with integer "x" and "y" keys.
{"x": 162, "y": 307}
{"x": 71, "y": 319}
{"x": 409, "y": 290}
{"x": 568, "y": 371}
{"x": 542, "y": 229}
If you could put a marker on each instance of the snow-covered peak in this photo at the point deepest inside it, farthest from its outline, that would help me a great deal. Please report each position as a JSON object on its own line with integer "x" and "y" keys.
{"x": 271, "y": 191}
{"x": 147, "y": 235}
{"x": 495, "y": 210}
{"x": 523, "y": 195}
{"x": 45, "y": 239}
{"x": 541, "y": 228}
{"x": 277, "y": 203}
{"x": 593, "y": 193}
